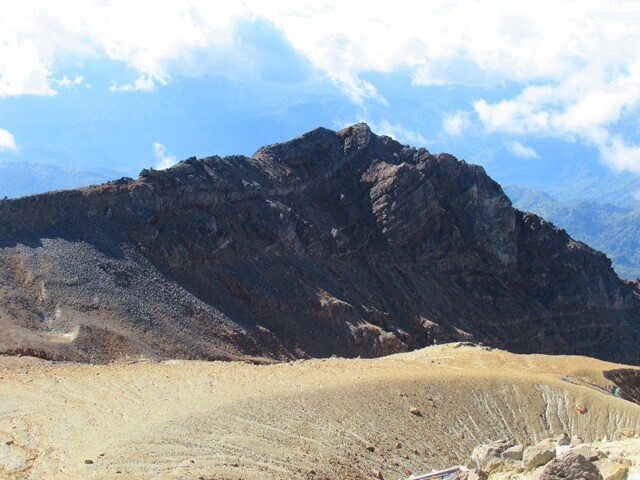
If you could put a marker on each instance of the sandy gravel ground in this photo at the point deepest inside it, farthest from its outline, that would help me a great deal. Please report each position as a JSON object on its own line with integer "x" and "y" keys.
{"x": 317, "y": 419}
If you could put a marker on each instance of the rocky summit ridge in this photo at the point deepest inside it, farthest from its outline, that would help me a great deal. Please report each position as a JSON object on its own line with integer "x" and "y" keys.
{"x": 344, "y": 243}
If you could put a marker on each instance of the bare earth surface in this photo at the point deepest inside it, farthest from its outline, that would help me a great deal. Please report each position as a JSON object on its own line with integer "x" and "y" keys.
{"x": 306, "y": 419}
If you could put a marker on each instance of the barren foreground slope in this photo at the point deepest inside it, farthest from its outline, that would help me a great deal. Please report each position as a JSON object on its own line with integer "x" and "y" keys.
{"x": 305, "y": 419}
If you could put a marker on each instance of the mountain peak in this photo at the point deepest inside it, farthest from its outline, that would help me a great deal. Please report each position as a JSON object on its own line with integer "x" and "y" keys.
{"x": 319, "y": 148}
{"x": 340, "y": 242}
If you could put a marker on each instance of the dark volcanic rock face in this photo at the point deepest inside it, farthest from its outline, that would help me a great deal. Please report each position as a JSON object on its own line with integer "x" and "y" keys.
{"x": 333, "y": 243}
{"x": 627, "y": 381}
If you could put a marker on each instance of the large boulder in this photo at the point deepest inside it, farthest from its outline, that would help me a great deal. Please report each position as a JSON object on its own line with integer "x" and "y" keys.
{"x": 611, "y": 470}
{"x": 514, "y": 453}
{"x": 539, "y": 454}
{"x": 570, "y": 466}
{"x": 487, "y": 457}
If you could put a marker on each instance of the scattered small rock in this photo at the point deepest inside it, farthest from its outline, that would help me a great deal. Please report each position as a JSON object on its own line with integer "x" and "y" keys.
{"x": 88, "y": 461}
{"x": 398, "y": 445}
{"x": 623, "y": 461}
{"x": 370, "y": 448}
{"x": 378, "y": 474}
{"x": 625, "y": 433}
{"x": 563, "y": 440}
{"x": 414, "y": 411}
{"x": 582, "y": 409}
{"x": 9, "y": 442}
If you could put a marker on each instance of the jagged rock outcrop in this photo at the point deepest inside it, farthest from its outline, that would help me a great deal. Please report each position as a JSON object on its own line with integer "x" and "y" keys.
{"x": 342, "y": 243}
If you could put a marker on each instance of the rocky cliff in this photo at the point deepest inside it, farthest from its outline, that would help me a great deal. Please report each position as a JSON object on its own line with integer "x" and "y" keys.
{"x": 342, "y": 243}
{"x": 627, "y": 383}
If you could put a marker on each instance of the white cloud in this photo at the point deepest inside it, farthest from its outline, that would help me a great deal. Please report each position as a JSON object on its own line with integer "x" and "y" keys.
{"x": 578, "y": 60}
{"x": 440, "y": 42}
{"x": 457, "y": 122}
{"x": 69, "y": 82}
{"x": 516, "y": 41}
{"x": 7, "y": 141}
{"x": 445, "y": 43}
{"x": 164, "y": 158}
{"x": 620, "y": 155}
{"x": 398, "y": 132}
{"x": 511, "y": 116}
{"x": 522, "y": 151}
{"x": 584, "y": 106}
{"x": 145, "y": 35}
{"x": 22, "y": 71}
{"x": 356, "y": 89}
{"x": 140, "y": 84}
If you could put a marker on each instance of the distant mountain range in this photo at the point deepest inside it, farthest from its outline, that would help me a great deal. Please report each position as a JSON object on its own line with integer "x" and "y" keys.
{"x": 613, "y": 229}
{"x": 615, "y": 189}
{"x": 565, "y": 176}
{"x": 18, "y": 179}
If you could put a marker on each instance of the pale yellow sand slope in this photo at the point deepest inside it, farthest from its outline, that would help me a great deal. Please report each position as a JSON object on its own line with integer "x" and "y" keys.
{"x": 307, "y": 419}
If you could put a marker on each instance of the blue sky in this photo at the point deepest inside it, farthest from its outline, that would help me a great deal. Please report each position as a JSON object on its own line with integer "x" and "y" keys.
{"x": 534, "y": 91}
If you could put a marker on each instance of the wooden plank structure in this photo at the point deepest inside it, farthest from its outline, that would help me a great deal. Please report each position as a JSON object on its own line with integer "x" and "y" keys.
{"x": 439, "y": 474}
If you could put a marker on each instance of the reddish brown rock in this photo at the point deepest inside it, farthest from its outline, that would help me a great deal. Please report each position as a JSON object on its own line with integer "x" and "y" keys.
{"x": 570, "y": 466}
